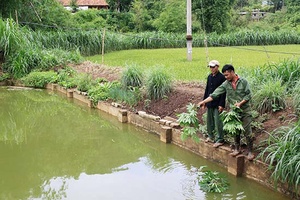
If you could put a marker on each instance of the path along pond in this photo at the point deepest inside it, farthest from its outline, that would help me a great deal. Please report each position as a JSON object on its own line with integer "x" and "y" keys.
{"x": 52, "y": 147}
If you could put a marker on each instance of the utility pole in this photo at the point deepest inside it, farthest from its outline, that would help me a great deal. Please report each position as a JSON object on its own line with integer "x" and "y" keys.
{"x": 189, "y": 38}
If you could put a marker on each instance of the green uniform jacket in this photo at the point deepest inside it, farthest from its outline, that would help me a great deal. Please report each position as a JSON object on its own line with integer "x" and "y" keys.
{"x": 242, "y": 92}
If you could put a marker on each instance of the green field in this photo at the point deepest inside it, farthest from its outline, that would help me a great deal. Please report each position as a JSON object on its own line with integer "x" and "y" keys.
{"x": 175, "y": 60}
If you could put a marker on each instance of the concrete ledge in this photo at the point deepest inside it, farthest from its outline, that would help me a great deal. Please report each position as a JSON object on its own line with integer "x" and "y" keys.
{"x": 149, "y": 125}
{"x": 121, "y": 114}
{"x": 61, "y": 89}
{"x": 122, "y": 117}
{"x": 51, "y": 86}
{"x": 148, "y": 116}
{"x": 70, "y": 93}
{"x": 166, "y": 134}
{"x": 236, "y": 165}
{"x": 82, "y": 98}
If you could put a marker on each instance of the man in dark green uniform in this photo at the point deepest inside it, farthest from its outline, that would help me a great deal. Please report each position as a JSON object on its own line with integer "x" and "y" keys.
{"x": 238, "y": 94}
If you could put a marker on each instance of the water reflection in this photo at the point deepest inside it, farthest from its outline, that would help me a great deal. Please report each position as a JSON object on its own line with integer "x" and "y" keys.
{"x": 145, "y": 183}
{"x": 53, "y": 148}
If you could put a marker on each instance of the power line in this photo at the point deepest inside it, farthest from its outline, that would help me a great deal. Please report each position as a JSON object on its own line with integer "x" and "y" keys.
{"x": 259, "y": 50}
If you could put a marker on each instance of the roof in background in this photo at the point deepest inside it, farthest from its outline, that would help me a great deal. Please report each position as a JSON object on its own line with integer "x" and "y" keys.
{"x": 85, "y": 2}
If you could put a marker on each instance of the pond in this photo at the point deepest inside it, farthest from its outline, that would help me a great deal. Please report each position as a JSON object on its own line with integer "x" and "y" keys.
{"x": 52, "y": 147}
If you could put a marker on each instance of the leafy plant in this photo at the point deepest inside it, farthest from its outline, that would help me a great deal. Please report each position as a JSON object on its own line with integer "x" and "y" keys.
{"x": 281, "y": 151}
{"x": 190, "y": 123}
{"x": 232, "y": 123}
{"x": 158, "y": 84}
{"x": 212, "y": 181}
{"x": 100, "y": 92}
{"x": 39, "y": 79}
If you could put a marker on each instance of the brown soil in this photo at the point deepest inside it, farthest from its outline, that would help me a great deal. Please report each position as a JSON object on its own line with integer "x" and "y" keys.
{"x": 182, "y": 94}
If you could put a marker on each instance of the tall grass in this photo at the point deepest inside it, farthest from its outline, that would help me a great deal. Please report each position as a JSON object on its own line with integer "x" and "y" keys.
{"x": 158, "y": 84}
{"x": 269, "y": 96}
{"x": 23, "y": 53}
{"x": 282, "y": 154}
{"x": 90, "y": 42}
{"x": 12, "y": 37}
{"x": 132, "y": 76}
{"x": 130, "y": 96}
{"x": 288, "y": 71}
{"x": 296, "y": 97}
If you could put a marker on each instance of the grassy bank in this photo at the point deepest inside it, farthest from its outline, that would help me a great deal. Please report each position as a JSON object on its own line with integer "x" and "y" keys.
{"x": 175, "y": 60}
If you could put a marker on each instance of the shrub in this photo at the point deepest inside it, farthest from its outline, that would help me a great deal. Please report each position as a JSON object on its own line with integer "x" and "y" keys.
{"x": 132, "y": 76}
{"x": 158, "y": 84}
{"x": 39, "y": 79}
{"x": 67, "y": 77}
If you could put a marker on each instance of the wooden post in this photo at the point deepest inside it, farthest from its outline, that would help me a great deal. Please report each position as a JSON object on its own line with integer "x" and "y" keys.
{"x": 103, "y": 37}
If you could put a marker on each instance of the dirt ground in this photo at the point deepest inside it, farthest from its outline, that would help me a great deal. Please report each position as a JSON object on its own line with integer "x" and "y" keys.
{"x": 182, "y": 94}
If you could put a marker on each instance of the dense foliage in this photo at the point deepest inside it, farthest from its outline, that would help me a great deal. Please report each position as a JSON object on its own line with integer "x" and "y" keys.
{"x": 146, "y": 15}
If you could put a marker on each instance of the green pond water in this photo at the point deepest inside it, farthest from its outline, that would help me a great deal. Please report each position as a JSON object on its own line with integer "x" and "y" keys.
{"x": 52, "y": 147}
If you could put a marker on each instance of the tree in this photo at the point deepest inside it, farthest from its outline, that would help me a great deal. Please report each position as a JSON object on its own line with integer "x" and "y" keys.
{"x": 119, "y": 5}
{"x": 74, "y": 6}
{"x": 173, "y": 18}
{"x": 213, "y": 14}
{"x": 46, "y": 12}
{"x": 141, "y": 17}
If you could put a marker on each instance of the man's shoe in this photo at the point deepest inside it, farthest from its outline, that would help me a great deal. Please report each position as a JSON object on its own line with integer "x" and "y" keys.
{"x": 208, "y": 140}
{"x": 235, "y": 153}
{"x": 217, "y": 144}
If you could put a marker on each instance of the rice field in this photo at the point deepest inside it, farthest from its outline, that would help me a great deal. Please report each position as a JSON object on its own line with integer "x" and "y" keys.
{"x": 175, "y": 60}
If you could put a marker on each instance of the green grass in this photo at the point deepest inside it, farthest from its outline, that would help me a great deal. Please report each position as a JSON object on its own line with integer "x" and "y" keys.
{"x": 175, "y": 60}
